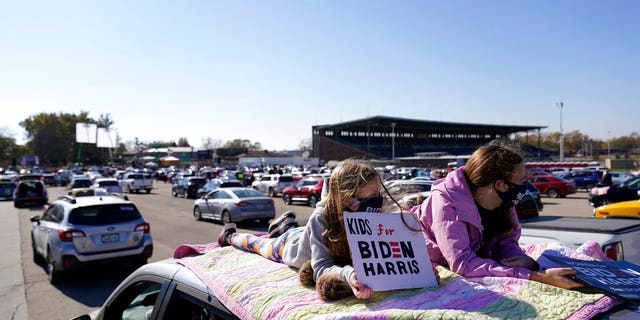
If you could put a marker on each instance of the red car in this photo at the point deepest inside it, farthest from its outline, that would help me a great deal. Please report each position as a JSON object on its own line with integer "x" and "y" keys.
{"x": 307, "y": 190}
{"x": 553, "y": 186}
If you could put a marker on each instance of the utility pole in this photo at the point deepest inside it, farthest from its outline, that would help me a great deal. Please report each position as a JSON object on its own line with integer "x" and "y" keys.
{"x": 609, "y": 145}
{"x": 560, "y": 105}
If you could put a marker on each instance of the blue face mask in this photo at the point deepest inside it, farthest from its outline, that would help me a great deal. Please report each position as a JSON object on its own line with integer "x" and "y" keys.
{"x": 373, "y": 204}
{"x": 512, "y": 197}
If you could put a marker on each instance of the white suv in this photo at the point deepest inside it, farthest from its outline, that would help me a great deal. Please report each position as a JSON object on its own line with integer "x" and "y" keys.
{"x": 73, "y": 232}
{"x": 136, "y": 181}
{"x": 273, "y": 184}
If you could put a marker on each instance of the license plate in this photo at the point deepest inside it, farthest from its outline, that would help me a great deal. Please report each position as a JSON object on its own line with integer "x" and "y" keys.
{"x": 110, "y": 238}
{"x": 259, "y": 206}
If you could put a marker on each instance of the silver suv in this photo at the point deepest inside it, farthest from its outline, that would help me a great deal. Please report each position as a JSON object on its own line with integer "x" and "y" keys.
{"x": 75, "y": 231}
{"x": 273, "y": 184}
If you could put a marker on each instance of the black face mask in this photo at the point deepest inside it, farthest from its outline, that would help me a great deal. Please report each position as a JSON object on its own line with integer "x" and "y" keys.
{"x": 373, "y": 204}
{"x": 512, "y": 197}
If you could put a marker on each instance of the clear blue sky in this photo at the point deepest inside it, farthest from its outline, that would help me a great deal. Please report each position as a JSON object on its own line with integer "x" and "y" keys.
{"x": 268, "y": 70}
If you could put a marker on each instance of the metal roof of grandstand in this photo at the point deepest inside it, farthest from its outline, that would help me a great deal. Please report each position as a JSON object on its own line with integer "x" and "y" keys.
{"x": 383, "y": 121}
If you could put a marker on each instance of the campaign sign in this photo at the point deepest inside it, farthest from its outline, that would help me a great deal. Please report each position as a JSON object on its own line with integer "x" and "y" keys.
{"x": 618, "y": 278}
{"x": 386, "y": 254}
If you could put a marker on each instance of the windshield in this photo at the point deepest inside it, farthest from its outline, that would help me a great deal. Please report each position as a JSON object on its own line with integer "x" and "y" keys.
{"x": 247, "y": 193}
{"x": 108, "y": 183}
{"x": 104, "y": 214}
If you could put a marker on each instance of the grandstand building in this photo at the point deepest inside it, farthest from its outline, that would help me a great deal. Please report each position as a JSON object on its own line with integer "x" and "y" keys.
{"x": 399, "y": 139}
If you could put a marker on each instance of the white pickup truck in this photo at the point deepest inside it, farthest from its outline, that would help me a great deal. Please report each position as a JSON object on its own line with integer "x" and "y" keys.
{"x": 136, "y": 181}
{"x": 619, "y": 238}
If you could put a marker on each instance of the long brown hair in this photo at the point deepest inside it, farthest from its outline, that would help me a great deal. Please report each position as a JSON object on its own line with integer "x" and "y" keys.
{"x": 345, "y": 181}
{"x": 489, "y": 163}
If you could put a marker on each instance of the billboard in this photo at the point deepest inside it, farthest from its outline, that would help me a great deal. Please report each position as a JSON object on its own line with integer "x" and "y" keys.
{"x": 86, "y": 132}
{"x": 106, "y": 138}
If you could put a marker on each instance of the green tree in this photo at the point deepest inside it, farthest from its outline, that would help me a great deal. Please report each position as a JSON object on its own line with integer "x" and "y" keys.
{"x": 183, "y": 142}
{"x": 10, "y": 151}
{"x": 52, "y": 138}
{"x": 243, "y": 143}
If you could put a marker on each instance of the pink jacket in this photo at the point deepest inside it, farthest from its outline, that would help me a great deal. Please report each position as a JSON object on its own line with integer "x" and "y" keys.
{"x": 453, "y": 232}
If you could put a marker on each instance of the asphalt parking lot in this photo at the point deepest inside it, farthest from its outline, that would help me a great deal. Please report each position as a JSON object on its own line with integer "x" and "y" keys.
{"x": 28, "y": 295}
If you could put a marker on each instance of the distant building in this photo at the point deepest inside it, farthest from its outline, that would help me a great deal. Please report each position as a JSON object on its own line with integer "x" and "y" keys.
{"x": 391, "y": 138}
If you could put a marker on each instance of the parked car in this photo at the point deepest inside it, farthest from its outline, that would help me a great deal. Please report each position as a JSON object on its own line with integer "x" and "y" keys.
{"x": 166, "y": 289}
{"x": 584, "y": 179}
{"x": 531, "y": 204}
{"x": 77, "y": 231}
{"x": 400, "y": 188}
{"x": 187, "y": 187}
{"x": 626, "y": 190}
{"x": 272, "y": 184}
{"x": 618, "y": 177}
{"x": 308, "y": 190}
{"x": 79, "y": 181}
{"x": 50, "y": 179}
{"x": 109, "y": 184}
{"x": 218, "y": 183}
{"x": 234, "y": 205}
{"x": 30, "y": 192}
{"x": 553, "y": 186}
{"x": 88, "y": 192}
{"x": 136, "y": 181}
{"x": 7, "y": 186}
{"x": 623, "y": 209}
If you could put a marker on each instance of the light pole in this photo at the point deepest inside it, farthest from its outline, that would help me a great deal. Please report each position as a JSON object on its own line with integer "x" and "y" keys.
{"x": 609, "y": 145}
{"x": 560, "y": 105}
{"x": 393, "y": 141}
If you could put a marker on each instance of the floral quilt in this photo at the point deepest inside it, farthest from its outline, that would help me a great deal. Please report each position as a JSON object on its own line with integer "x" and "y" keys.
{"x": 253, "y": 287}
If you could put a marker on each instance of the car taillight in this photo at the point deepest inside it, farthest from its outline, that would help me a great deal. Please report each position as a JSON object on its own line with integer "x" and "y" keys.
{"x": 614, "y": 251}
{"x": 242, "y": 204}
{"x": 68, "y": 235}
{"x": 143, "y": 227}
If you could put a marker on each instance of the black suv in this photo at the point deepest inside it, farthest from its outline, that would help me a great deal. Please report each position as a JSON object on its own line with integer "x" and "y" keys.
{"x": 187, "y": 187}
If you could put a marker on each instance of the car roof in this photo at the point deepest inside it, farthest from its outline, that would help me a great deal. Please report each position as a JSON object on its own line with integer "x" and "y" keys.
{"x": 91, "y": 200}
{"x": 171, "y": 269}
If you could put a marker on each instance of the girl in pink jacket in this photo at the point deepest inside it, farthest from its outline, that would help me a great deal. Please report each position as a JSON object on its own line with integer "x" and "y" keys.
{"x": 470, "y": 222}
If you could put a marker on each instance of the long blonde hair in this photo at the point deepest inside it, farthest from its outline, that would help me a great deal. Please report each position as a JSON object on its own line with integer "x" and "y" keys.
{"x": 345, "y": 181}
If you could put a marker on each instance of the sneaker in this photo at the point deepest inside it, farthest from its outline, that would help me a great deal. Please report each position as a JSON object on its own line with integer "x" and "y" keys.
{"x": 281, "y": 224}
{"x": 227, "y": 230}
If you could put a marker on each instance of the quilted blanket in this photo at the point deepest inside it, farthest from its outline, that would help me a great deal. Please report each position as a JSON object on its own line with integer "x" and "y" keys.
{"x": 255, "y": 288}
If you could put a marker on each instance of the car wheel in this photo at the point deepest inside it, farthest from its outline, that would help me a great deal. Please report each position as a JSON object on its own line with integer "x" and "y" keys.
{"x": 53, "y": 274}
{"x": 148, "y": 191}
{"x": 312, "y": 201}
{"x": 197, "y": 214}
{"x": 552, "y": 193}
{"x": 286, "y": 198}
{"x": 129, "y": 190}
{"x": 272, "y": 193}
{"x": 226, "y": 217}
{"x": 175, "y": 194}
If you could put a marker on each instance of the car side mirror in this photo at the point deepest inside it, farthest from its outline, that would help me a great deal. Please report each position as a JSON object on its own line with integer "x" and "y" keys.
{"x": 35, "y": 219}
